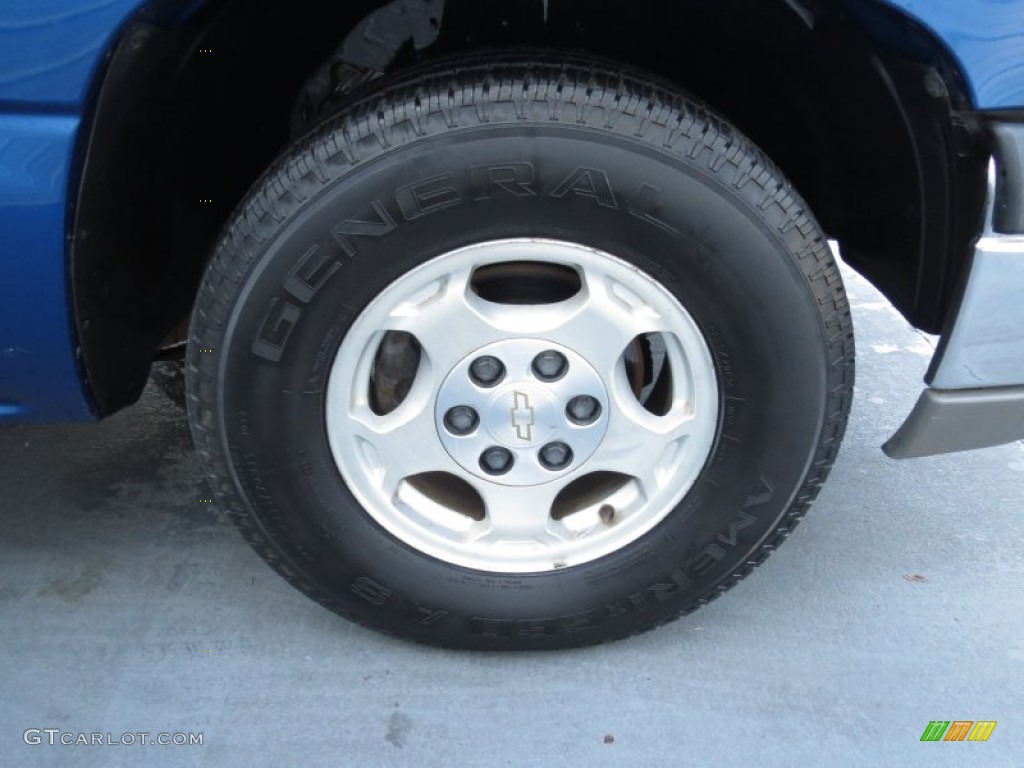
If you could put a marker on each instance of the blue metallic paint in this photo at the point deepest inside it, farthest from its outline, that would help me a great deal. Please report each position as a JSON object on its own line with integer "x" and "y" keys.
{"x": 49, "y": 53}
{"x": 39, "y": 380}
{"x": 987, "y": 37}
{"x": 49, "y": 49}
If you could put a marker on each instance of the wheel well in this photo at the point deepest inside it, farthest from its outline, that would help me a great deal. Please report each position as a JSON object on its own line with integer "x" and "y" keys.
{"x": 866, "y": 113}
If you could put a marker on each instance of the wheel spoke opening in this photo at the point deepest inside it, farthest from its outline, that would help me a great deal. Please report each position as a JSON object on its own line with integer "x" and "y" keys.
{"x": 451, "y": 492}
{"x": 395, "y": 365}
{"x": 586, "y": 492}
{"x": 525, "y": 282}
{"x": 649, "y": 372}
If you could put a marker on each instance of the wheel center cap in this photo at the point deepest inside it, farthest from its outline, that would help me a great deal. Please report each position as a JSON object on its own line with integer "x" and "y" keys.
{"x": 522, "y": 412}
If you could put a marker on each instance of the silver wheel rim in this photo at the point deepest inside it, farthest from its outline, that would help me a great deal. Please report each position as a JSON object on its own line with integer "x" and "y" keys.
{"x": 446, "y": 485}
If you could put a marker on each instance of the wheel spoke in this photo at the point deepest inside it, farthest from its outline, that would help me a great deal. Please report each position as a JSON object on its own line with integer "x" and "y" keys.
{"x": 602, "y": 321}
{"x": 400, "y": 444}
{"x": 519, "y": 515}
{"x": 640, "y": 443}
{"x": 447, "y": 319}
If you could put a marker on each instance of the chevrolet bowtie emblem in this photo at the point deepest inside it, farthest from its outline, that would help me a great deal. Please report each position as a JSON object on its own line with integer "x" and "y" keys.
{"x": 522, "y": 416}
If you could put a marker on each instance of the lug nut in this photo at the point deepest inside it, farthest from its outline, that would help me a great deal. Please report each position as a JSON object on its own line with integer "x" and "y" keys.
{"x": 583, "y": 410}
{"x": 461, "y": 420}
{"x": 550, "y": 365}
{"x": 487, "y": 370}
{"x": 496, "y": 460}
{"x": 555, "y": 456}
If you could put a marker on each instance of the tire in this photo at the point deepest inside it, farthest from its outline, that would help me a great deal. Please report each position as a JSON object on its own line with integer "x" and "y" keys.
{"x": 330, "y": 377}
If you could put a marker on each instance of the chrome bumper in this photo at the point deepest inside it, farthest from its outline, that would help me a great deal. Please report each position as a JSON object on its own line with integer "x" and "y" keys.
{"x": 976, "y": 393}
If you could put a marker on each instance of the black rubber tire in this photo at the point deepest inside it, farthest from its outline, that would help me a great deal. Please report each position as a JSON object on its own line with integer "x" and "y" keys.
{"x": 642, "y": 171}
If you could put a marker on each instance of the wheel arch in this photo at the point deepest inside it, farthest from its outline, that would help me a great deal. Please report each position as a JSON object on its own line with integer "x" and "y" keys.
{"x": 865, "y": 110}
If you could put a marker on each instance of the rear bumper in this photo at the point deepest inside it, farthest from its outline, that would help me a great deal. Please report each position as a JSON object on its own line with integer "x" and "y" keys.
{"x": 975, "y": 397}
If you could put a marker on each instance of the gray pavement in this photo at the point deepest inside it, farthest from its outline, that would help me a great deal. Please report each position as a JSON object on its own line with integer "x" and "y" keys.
{"x": 127, "y": 604}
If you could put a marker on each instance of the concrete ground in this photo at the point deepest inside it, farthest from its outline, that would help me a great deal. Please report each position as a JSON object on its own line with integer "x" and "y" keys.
{"x": 127, "y": 605}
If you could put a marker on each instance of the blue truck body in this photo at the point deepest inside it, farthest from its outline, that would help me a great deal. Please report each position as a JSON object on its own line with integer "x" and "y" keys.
{"x": 52, "y": 57}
